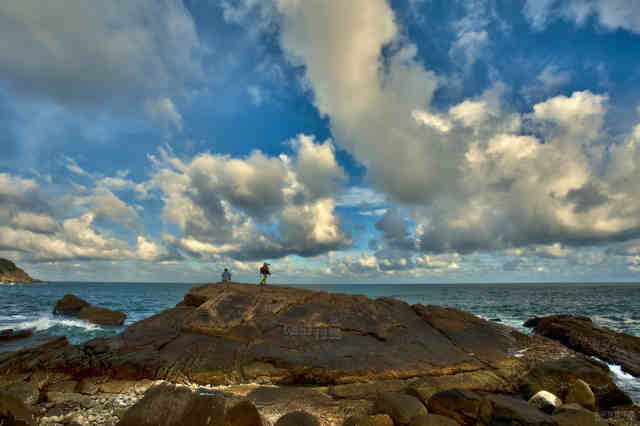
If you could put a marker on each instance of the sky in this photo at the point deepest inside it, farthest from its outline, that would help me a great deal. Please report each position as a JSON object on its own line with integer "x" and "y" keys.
{"x": 361, "y": 141}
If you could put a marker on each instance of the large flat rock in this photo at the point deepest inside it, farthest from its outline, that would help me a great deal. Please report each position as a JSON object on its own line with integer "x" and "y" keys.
{"x": 583, "y": 335}
{"x": 240, "y": 333}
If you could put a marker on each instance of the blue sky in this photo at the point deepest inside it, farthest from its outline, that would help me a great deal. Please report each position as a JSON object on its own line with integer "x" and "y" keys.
{"x": 367, "y": 141}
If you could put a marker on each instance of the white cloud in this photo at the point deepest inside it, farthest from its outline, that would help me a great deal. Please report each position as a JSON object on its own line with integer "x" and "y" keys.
{"x": 552, "y": 76}
{"x": 610, "y": 14}
{"x": 141, "y": 46}
{"x": 432, "y": 120}
{"x": 107, "y": 206}
{"x": 254, "y": 207}
{"x": 163, "y": 110}
{"x": 256, "y": 95}
{"x": 149, "y": 250}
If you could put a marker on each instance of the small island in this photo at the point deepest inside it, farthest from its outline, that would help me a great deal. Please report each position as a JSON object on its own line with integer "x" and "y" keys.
{"x": 11, "y": 274}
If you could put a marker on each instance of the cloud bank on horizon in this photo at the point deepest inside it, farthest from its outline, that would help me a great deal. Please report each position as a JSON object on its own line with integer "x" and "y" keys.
{"x": 363, "y": 141}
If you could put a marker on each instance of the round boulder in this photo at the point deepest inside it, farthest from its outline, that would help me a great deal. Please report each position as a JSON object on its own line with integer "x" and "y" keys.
{"x": 297, "y": 418}
{"x": 400, "y": 407}
{"x": 581, "y": 393}
{"x": 546, "y": 401}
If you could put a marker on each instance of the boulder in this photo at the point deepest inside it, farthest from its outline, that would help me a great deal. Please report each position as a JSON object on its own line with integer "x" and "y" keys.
{"x": 400, "y": 407}
{"x": 13, "y": 411}
{"x": 74, "y": 306}
{"x": 297, "y": 418}
{"x": 101, "y": 316}
{"x": 581, "y": 393}
{"x": 11, "y": 334}
{"x": 69, "y": 305}
{"x": 461, "y": 405}
{"x": 432, "y": 420}
{"x": 556, "y": 376}
{"x": 243, "y": 413}
{"x": 375, "y": 420}
{"x": 575, "y": 415}
{"x": 582, "y": 335}
{"x": 545, "y": 401}
{"x": 503, "y": 409}
{"x": 166, "y": 405}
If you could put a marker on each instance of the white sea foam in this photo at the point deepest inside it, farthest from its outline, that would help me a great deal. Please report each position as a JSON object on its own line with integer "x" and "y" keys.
{"x": 45, "y": 323}
{"x": 626, "y": 382}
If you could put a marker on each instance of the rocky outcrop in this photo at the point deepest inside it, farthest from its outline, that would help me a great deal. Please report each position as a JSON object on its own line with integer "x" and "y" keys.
{"x": 331, "y": 355}
{"x": 10, "y": 273}
{"x": 582, "y": 335}
{"x": 11, "y": 334}
{"x": 71, "y": 305}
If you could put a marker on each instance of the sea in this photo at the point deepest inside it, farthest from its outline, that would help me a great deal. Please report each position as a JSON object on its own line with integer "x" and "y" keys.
{"x": 614, "y": 305}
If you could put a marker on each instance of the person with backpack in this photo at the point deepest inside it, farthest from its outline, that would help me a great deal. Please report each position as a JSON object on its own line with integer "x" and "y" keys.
{"x": 226, "y": 276}
{"x": 264, "y": 270}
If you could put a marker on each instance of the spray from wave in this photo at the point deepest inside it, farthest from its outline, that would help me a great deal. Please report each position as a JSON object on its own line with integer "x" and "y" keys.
{"x": 44, "y": 323}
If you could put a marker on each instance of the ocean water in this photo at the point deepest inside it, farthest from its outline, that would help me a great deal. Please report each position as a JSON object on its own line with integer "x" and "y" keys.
{"x": 613, "y": 305}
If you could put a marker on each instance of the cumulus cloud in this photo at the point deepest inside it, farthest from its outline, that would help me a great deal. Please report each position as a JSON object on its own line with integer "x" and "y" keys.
{"x": 254, "y": 207}
{"x": 610, "y": 14}
{"x": 107, "y": 206}
{"x": 474, "y": 176}
{"x": 132, "y": 51}
{"x": 34, "y": 228}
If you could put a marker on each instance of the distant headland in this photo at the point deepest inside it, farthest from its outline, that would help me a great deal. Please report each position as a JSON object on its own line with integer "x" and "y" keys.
{"x": 10, "y": 273}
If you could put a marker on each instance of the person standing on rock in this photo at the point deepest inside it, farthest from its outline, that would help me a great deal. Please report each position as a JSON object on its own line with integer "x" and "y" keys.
{"x": 264, "y": 270}
{"x": 226, "y": 276}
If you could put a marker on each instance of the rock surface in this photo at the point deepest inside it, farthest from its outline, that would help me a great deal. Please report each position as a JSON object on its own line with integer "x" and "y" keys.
{"x": 236, "y": 333}
{"x": 13, "y": 411}
{"x": 556, "y": 376}
{"x": 582, "y": 335}
{"x": 545, "y": 401}
{"x": 11, "y": 334}
{"x": 297, "y": 418}
{"x": 71, "y": 305}
{"x": 581, "y": 394}
{"x": 10, "y": 273}
{"x": 286, "y": 349}
{"x": 400, "y": 407}
{"x": 166, "y": 405}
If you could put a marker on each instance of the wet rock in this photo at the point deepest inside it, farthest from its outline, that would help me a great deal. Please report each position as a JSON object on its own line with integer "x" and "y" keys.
{"x": 582, "y": 335}
{"x": 581, "y": 393}
{"x": 101, "y": 316}
{"x": 14, "y": 412}
{"x": 545, "y": 401}
{"x": 297, "y": 418}
{"x": 400, "y": 407}
{"x": 11, "y": 334}
{"x": 556, "y": 376}
{"x": 71, "y": 305}
{"x": 165, "y": 405}
{"x": 508, "y": 410}
{"x": 375, "y": 420}
{"x": 461, "y": 405}
{"x": 433, "y": 420}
